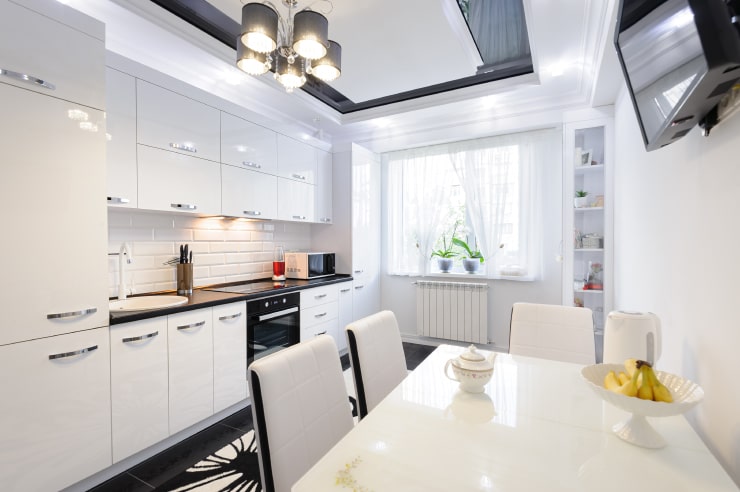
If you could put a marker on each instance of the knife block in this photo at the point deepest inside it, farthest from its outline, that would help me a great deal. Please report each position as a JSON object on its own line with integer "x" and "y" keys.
{"x": 184, "y": 279}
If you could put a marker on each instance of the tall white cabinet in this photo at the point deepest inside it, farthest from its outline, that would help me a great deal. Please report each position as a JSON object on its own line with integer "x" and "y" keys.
{"x": 54, "y": 355}
{"x": 355, "y": 233}
{"x": 588, "y": 221}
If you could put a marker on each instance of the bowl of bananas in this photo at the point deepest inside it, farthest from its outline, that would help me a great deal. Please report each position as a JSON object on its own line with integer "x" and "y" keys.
{"x": 636, "y": 388}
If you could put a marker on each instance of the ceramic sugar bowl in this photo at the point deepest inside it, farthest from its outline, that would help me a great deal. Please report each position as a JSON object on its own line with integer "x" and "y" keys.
{"x": 471, "y": 369}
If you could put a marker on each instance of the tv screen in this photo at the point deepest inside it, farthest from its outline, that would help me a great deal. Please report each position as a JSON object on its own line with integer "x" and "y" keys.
{"x": 679, "y": 57}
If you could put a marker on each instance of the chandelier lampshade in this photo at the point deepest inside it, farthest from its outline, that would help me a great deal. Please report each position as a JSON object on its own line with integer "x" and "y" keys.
{"x": 250, "y": 61}
{"x": 259, "y": 27}
{"x": 290, "y": 75}
{"x": 329, "y": 67}
{"x": 310, "y": 34}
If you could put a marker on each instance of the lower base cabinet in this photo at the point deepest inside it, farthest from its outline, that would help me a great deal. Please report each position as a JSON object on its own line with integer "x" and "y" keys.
{"x": 56, "y": 419}
{"x": 139, "y": 402}
{"x": 229, "y": 355}
{"x": 319, "y": 311}
{"x": 190, "y": 338}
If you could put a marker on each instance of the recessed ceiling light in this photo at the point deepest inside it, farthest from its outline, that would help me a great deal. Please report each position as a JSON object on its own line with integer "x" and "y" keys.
{"x": 557, "y": 69}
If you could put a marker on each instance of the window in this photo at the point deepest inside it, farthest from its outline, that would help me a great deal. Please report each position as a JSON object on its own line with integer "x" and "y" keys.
{"x": 486, "y": 191}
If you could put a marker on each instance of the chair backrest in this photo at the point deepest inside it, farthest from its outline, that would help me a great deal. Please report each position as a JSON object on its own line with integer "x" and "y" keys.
{"x": 377, "y": 358}
{"x": 554, "y": 332}
{"x": 300, "y": 408}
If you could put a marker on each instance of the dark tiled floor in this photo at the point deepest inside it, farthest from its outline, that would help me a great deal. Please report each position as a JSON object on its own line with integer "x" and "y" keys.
{"x": 165, "y": 467}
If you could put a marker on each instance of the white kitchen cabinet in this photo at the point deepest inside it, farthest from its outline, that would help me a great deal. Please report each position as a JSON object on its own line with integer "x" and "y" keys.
{"x": 53, "y": 173}
{"x": 170, "y": 121}
{"x": 169, "y": 181}
{"x": 319, "y": 312}
{"x": 295, "y": 201}
{"x": 120, "y": 119}
{"x": 247, "y": 193}
{"x": 588, "y": 166}
{"x": 55, "y": 409}
{"x": 296, "y": 160}
{"x": 345, "y": 314}
{"x": 229, "y": 355}
{"x": 246, "y": 145}
{"x": 323, "y": 188}
{"x": 139, "y": 402}
{"x": 190, "y": 340}
{"x": 59, "y": 53}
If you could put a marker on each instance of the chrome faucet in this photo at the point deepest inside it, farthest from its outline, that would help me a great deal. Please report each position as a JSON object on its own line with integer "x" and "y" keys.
{"x": 124, "y": 251}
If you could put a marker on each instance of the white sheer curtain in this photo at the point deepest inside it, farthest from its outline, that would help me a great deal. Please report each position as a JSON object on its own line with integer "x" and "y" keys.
{"x": 417, "y": 189}
{"x": 499, "y": 29}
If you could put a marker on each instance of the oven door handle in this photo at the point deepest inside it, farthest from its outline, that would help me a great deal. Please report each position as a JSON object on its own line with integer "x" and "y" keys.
{"x": 277, "y": 314}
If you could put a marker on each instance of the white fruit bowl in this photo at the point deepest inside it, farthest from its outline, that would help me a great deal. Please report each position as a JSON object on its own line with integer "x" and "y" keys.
{"x": 637, "y": 430}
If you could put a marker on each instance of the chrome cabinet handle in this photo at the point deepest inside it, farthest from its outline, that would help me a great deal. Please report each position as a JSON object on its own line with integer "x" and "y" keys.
{"x": 183, "y": 206}
{"x": 359, "y": 271}
{"x": 185, "y": 147}
{"x": 299, "y": 217}
{"x": 251, "y": 164}
{"x": 228, "y": 317}
{"x": 72, "y": 314}
{"x": 325, "y": 219}
{"x": 192, "y": 325}
{"x": 319, "y": 296}
{"x": 298, "y": 176}
{"x": 72, "y": 354}
{"x": 344, "y": 290}
{"x": 118, "y": 200}
{"x": 320, "y": 315}
{"x": 27, "y": 78}
{"x": 320, "y": 333}
{"x": 252, "y": 212}
{"x": 359, "y": 287}
{"x": 140, "y": 338}
{"x": 277, "y": 314}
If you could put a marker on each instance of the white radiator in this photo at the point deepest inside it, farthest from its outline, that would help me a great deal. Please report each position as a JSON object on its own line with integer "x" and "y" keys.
{"x": 452, "y": 310}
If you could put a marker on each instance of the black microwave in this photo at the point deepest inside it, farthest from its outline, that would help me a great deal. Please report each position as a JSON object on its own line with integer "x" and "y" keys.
{"x": 304, "y": 265}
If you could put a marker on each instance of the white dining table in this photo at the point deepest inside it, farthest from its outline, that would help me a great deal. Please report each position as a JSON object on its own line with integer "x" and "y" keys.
{"x": 537, "y": 427}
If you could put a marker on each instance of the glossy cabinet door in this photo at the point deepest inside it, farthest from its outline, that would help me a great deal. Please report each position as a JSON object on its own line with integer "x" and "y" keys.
{"x": 246, "y": 145}
{"x": 53, "y": 175}
{"x": 248, "y": 193}
{"x": 345, "y": 315}
{"x": 229, "y": 355}
{"x": 296, "y": 160}
{"x": 120, "y": 119}
{"x": 167, "y": 120}
{"x": 319, "y": 312}
{"x": 295, "y": 201}
{"x": 138, "y": 385}
{"x": 56, "y": 59}
{"x": 190, "y": 339}
{"x": 55, "y": 409}
{"x": 169, "y": 181}
{"x": 323, "y": 188}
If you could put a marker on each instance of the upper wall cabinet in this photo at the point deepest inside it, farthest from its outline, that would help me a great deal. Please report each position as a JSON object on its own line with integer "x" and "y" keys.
{"x": 248, "y": 193}
{"x": 246, "y": 145}
{"x": 169, "y": 121}
{"x": 296, "y": 160}
{"x": 47, "y": 56}
{"x": 323, "y": 188}
{"x": 121, "y": 146}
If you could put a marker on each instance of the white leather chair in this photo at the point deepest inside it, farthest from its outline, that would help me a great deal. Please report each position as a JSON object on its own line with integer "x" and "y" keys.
{"x": 552, "y": 332}
{"x": 377, "y": 358}
{"x": 300, "y": 408}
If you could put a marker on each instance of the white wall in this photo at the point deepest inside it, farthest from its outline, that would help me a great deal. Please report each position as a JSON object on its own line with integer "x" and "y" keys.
{"x": 398, "y": 292}
{"x": 676, "y": 254}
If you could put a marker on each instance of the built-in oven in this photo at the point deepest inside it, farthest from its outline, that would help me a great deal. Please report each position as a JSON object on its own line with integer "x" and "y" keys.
{"x": 273, "y": 323}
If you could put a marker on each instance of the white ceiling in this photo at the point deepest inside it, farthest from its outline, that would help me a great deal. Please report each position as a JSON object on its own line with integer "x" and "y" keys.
{"x": 389, "y": 46}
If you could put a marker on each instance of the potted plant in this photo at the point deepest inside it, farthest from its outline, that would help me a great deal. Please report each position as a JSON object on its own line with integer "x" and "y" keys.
{"x": 446, "y": 254}
{"x": 581, "y": 199}
{"x": 471, "y": 259}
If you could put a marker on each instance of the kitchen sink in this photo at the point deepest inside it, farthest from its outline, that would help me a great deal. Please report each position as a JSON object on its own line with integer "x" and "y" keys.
{"x": 146, "y": 302}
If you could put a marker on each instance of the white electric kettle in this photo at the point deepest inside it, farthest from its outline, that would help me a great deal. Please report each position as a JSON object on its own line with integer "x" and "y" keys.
{"x": 631, "y": 335}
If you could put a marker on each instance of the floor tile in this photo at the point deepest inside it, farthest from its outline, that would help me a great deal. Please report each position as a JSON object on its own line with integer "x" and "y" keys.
{"x": 241, "y": 420}
{"x": 123, "y": 483}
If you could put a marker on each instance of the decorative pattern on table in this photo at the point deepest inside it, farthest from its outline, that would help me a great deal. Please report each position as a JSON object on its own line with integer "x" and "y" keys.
{"x": 347, "y": 481}
{"x": 233, "y": 468}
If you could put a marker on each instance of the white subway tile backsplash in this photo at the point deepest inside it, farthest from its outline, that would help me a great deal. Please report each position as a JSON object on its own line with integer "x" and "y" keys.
{"x": 224, "y": 250}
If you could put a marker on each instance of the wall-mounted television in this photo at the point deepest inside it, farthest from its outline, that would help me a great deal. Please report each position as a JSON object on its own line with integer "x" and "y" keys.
{"x": 679, "y": 57}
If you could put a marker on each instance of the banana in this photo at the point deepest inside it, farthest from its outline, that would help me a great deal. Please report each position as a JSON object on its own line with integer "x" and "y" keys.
{"x": 631, "y": 366}
{"x": 623, "y": 378}
{"x": 660, "y": 391}
{"x": 611, "y": 382}
{"x": 645, "y": 389}
{"x": 630, "y": 387}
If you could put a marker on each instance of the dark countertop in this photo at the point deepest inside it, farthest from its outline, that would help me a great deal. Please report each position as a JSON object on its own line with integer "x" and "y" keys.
{"x": 202, "y": 297}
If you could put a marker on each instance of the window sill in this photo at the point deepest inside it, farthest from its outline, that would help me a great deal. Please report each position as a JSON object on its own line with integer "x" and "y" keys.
{"x": 470, "y": 276}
